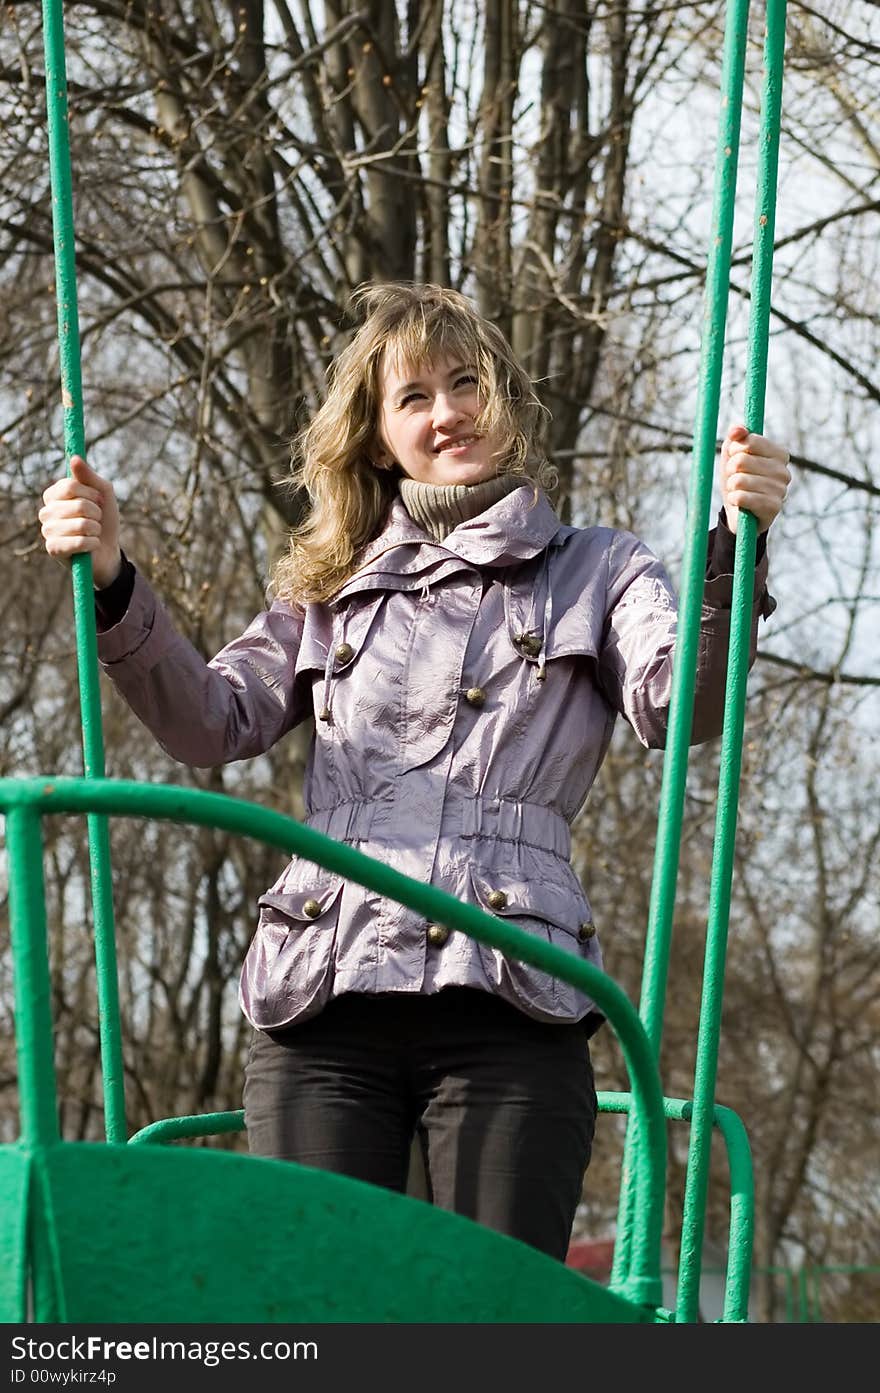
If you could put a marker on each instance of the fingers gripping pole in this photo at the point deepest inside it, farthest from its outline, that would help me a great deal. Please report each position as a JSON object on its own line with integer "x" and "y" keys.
{"x": 83, "y": 598}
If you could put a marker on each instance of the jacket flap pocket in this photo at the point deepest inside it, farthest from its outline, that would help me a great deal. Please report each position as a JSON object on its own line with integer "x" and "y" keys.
{"x": 309, "y": 906}
{"x": 513, "y": 897}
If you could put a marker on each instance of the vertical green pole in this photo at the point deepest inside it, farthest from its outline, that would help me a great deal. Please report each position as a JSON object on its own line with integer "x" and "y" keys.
{"x": 737, "y": 673}
{"x": 33, "y": 1009}
{"x": 37, "y": 1089}
{"x": 83, "y": 594}
{"x": 804, "y": 1297}
{"x": 816, "y": 1314}
{"x": 666, "y": 857}
{"x": 737, "y": 1286}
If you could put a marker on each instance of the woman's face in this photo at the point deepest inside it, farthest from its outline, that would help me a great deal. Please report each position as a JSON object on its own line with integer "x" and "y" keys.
{"x": 426, "y": 422}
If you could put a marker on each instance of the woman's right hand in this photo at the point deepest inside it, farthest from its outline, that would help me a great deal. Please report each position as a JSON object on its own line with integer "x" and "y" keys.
{"x": 79, "y": 514}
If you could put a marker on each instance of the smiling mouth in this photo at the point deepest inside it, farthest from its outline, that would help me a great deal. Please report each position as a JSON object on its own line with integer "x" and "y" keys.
{"x": 457, "y": 443}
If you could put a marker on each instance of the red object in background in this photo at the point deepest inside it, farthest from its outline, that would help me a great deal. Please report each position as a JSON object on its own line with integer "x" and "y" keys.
{"x": 591, "y": 1256}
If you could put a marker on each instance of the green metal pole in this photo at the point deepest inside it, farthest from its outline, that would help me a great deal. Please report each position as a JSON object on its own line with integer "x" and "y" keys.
{"x": 742, "y": 1195}
{"x": 737, "y": 673}
{"x": 681, "y": 710}
{"x": 816, "y": 1314}
{"x": 83, "y": 592}
{"x": 38, "y": 1102}
{"x": 672, "y": 793}
{"x": 209, "y": 1124}
{"x": 804, "y": 1297}
{"x": 737, "y": 1289}
{"x": 37, "y": 1089}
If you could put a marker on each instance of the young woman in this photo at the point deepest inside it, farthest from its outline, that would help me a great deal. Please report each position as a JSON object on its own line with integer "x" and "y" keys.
{"x": 464, "y": 656}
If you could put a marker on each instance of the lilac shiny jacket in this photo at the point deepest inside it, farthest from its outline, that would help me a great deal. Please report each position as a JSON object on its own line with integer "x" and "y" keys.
{"x": 464, "y": 695}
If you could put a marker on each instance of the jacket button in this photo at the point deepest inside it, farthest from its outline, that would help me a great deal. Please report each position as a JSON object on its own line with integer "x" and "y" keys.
{"x": 311, "y": 909}
{"x": 437, "y": 935}
{"x": 530, "y": 645}
{"x": 344, "y": 653}
{"x": 475, "y": 696}
{"x": 587, "y": 931}
{"x": 496, "y": 899}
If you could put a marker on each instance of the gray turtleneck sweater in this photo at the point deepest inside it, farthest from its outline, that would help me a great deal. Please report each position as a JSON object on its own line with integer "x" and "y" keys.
{"x": 439, "y": 508}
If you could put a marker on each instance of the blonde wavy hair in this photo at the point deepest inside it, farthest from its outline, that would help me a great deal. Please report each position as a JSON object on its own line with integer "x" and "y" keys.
{"x": 334, "y": 458}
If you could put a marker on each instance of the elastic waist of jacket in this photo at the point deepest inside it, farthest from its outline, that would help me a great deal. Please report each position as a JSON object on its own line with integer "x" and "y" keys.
{"x": 505, "y": 820}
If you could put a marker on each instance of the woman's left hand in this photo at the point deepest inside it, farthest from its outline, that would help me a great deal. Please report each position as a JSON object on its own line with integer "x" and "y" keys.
{"x": 754, "y": 475}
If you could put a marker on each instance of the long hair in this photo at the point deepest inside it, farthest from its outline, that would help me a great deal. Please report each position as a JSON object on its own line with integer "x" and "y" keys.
{"x": 333, "y": 459}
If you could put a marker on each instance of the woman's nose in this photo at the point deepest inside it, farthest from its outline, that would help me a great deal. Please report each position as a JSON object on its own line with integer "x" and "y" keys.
{"x": 445, "y": 411}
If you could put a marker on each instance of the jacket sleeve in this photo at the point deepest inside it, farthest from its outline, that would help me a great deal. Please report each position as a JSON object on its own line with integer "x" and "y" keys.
{"x": 635, "y": 662}
{"x": 206, "y": 713}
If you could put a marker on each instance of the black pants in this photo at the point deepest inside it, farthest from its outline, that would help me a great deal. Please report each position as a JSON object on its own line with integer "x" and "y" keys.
{"x": 504, "y": 1106}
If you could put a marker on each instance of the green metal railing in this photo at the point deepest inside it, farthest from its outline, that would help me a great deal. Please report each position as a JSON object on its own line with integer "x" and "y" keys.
{"x": 83, "y": 590}
{"x": 737, "y": 674}
{"x": 742, "y": 1195}
{"x": 25, "y": 801}
{"x": 659, "y": 935}
{"x": 636, "y": 1264}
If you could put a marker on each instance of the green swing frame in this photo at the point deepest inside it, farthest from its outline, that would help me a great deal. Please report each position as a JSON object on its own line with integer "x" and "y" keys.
{"x": 133, "y": 1230}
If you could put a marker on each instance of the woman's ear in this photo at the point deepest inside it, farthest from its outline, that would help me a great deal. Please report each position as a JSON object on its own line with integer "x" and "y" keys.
{"x": 381, "y": 458}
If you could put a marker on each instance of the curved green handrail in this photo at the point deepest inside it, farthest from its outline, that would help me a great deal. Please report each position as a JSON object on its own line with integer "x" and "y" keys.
{"x": 742, "y": 1194}
{"x": 202, "y": 1124}
{"x": 26, "y": 800}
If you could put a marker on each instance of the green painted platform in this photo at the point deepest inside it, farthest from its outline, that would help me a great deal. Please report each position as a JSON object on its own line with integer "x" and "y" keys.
{"x": 156, "y": 1234}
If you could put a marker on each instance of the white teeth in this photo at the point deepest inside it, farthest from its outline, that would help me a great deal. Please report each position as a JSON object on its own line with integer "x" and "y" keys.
{"x": 454, "y": 444}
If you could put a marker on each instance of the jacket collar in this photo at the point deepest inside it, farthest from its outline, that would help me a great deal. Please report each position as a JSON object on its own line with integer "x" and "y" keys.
{"x": 515, "y": 528}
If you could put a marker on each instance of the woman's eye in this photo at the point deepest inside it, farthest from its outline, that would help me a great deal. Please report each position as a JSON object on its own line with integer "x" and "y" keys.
{"x": 411, "y": 397}
{"x": 469, "y": 380}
